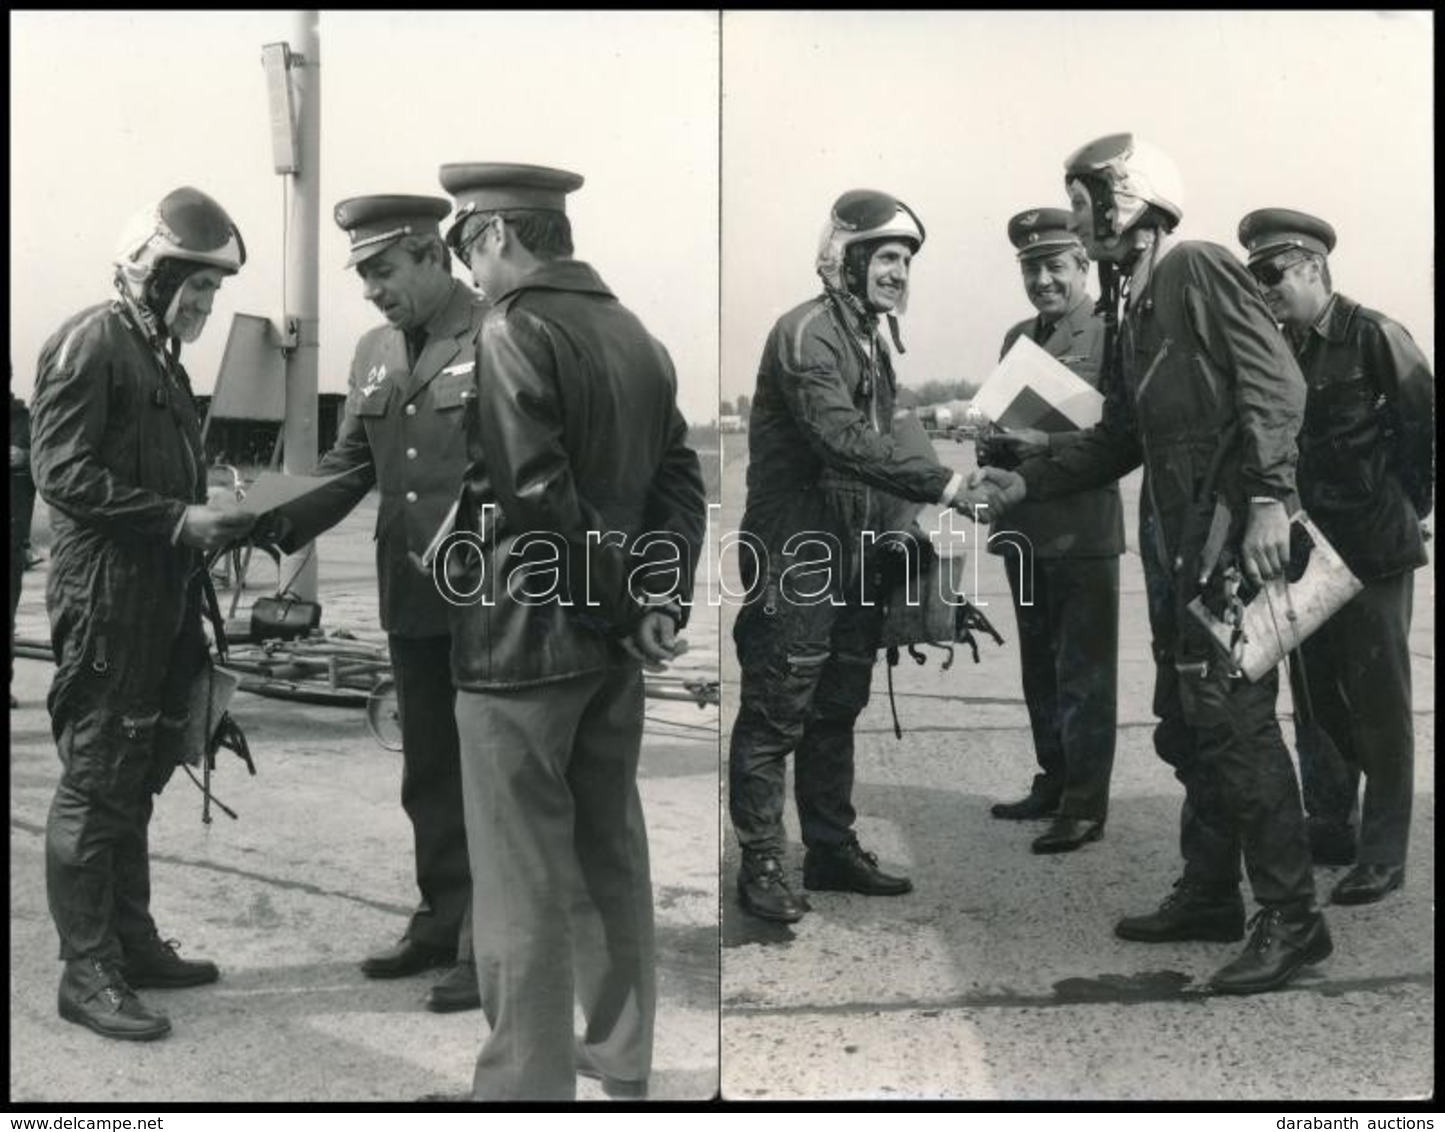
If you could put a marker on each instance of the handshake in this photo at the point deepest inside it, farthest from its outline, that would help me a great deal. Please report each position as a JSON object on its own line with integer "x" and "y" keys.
{"x": 989, "y": 493}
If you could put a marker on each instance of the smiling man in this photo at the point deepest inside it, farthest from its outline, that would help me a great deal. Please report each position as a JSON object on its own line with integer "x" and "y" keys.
{"x": 1066, "y": 552}
{"x": 822, "y": 464}
{"x": 403, "y": 433}
{"x": 1366, "y": 479}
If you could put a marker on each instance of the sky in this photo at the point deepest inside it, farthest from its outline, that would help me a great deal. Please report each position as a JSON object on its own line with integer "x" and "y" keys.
{"x": 109, "y": 111}
{"x": 968, "y": 117}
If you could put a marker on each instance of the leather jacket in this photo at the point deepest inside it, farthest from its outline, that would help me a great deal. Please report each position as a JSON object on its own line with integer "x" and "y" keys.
{"x": 1366, "y": 471}
{"x": 577, "y": 449}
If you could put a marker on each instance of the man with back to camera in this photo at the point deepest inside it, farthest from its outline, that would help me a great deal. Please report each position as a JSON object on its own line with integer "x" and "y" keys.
{"x": 1068, "y": 550}
{"x": 1366, "y": 478}
{"x": 1203, "y": 390}
{"x": 581, "y": 470}
{"x": 22, "y": 510}
{"x": 118, "y": 457}
{"x": 403, "y": 433}
{"x": 822, "y": 462}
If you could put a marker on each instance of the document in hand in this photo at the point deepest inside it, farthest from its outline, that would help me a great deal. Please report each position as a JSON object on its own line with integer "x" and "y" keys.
{"x": 1030, "y": 388}
{"x": 275, "y": 489}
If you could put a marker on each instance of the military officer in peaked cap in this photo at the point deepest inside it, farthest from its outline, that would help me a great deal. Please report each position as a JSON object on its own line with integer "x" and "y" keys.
{"x": 1063, "y": 556}
{"x": 580, "y": 448}
{"x": 403, "y": 434}
{"x": 1366, "y": 470}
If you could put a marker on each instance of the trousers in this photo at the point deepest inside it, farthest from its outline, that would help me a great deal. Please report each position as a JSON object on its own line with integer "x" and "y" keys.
{"x": 806, "y": 676}
{"x": 1069, "y": 650}
{"x": 431, "y": 791}
{"x": 118, "y": 710}
{"x": 559, "y": 861}
{"x": 1354, "y": 715}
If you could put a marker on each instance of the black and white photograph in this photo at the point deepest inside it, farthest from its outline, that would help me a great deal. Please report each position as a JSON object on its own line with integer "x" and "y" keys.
{"x": 1084, "y": 872}
{"x": 721, "y": 559}
{"x": 454, "y": 845}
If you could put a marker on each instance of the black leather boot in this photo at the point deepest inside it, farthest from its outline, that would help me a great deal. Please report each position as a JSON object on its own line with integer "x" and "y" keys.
{"x": 1280, "y": 944}
{"x": 94, "y": 994}
{"x": 1189, "y": 912}
{"x": 154, "y": 963}
{"x": 763, "y": 891}
{"x": 848, "y": 867}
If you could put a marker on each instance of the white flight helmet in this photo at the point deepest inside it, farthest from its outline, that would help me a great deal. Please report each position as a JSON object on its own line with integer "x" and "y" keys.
{"x": 1124, "y": 175}
{"x": 859, "y": 215}
{"x": 185, "y": 224}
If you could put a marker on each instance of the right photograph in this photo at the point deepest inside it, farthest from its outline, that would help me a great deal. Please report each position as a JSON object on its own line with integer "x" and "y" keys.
{"x": 1077, "y": 613}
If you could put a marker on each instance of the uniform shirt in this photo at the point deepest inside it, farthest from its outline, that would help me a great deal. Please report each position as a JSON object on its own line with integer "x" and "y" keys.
{"x": 403, "y": 433}
{"x": 1088, "y": 524}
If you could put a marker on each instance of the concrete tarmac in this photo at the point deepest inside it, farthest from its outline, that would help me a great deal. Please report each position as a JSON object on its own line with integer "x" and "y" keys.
{"x": 999, "y": 977}
{"x": 316, "y": 874}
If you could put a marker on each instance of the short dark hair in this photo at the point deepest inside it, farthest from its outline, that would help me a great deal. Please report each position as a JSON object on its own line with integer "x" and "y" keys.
{"x": 544, "y": 232}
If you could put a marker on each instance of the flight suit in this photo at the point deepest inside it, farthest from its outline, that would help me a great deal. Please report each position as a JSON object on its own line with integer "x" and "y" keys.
{"x": 118, "y": 457}
{"x": 823, "y": 465}
{"x": 1209, "y": 398}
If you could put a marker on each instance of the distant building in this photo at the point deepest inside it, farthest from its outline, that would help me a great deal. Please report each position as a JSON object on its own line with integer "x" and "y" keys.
{"x": 250, "y": 443}
{"x": 730, "y": 422}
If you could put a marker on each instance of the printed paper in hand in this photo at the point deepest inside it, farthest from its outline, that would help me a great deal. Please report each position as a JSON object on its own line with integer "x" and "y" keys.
{"x": 275, "y": 489}
{"x": 1030, "y": 388}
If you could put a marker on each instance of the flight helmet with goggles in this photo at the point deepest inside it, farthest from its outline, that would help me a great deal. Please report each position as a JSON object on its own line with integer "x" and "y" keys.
{"x": 168, "y": 241}
{"x": 1124, "y": 176}
{"x": 863, "y": 219}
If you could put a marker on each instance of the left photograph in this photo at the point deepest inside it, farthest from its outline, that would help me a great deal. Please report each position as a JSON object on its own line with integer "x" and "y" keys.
{"x": 364, "y": 438}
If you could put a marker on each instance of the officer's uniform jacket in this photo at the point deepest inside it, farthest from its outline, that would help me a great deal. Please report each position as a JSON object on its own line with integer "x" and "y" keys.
{"x": 1089, "y": 524}
{"x": 1366, "y": 472}
{"x": 117, "y": 454}
{"x": 1202, "y": 365}
{"x": 577, "y": 448}
{"x": 821, "y": 454}
{"x": 403, "y": 432}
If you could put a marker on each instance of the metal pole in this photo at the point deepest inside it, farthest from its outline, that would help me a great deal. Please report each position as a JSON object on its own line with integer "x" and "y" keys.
{"x": 302, "y": 304}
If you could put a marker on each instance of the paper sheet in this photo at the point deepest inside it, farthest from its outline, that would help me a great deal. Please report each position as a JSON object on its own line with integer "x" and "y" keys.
{"x": 1030, "y": 388}
{"x": 275, "y": 489}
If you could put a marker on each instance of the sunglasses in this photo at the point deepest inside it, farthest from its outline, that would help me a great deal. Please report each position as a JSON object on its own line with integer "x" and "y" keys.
{"x": 1272, "y": 271}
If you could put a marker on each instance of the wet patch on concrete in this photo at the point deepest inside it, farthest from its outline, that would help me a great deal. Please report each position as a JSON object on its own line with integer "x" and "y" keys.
{"x": 1146, "y": 986}
{"x": 740, "y": 929}
{"x": 1104, "y": 990}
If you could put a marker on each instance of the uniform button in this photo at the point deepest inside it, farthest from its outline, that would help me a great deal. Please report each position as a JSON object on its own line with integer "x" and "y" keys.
{"x": 411, "y": 410}
{"x": 411, "y": 497}
{"x": 411, "y": 453}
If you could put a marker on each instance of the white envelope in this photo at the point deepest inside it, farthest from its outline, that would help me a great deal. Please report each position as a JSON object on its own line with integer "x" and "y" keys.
{"x": 1030, "y": 388}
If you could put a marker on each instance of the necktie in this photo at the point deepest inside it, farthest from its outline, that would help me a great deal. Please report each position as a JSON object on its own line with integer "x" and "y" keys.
{"x": 415, "y": 343}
